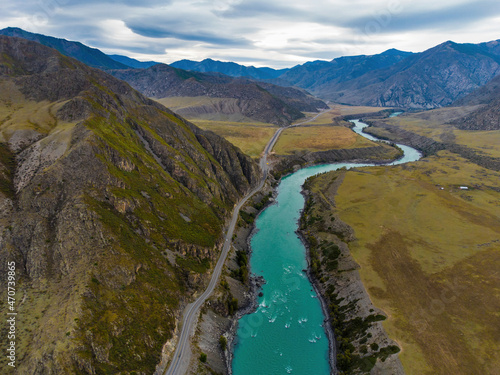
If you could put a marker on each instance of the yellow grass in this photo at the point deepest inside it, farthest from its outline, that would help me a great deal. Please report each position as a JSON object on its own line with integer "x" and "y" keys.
{"x": 20, "y": 114}
{"x": 487, "y": 142}
{"x": 318, "y": 138}
{"x": 430, "y": 258}
{"x": 251, "y": 138}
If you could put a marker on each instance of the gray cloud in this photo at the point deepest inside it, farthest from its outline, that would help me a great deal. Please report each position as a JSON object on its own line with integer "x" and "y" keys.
{"x": 196, "y": 35}
{"x": 275, "y": 32}
{"x": 456, "y": 16}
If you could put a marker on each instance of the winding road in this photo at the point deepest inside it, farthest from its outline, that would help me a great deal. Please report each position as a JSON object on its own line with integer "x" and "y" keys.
{"x": 180, "y": 362}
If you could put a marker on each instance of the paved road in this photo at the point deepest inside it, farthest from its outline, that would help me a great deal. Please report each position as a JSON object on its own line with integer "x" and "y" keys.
{"x": 181, "y": 358}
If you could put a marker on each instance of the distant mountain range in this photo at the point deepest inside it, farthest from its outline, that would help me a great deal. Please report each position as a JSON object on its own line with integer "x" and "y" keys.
{"x": 258, "y": 101}
{"x": 318, "y": 76}
{"x": 229, "y": 68}
{"x": 430, "y": 79}
{"x": 434, "y": 78}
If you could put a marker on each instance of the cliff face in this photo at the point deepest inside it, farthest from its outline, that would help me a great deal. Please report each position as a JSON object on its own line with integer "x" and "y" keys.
{"x": 112, "y": 208}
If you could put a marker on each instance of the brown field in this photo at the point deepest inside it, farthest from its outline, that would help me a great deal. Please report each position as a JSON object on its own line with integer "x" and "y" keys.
{"x": 430, "y": 257}
{"x": 319, "y": 138}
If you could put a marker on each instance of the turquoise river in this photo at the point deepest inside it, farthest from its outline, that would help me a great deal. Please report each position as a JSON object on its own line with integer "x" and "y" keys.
{"x": 286, "y": 333}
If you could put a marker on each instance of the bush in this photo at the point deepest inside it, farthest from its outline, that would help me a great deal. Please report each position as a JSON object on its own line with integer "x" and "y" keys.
{"x": 203, "y": 357}
{"x": 223, "y": 342}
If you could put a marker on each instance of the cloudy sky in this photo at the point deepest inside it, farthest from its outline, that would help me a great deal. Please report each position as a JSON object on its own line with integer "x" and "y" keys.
{"x": 275, "y": 33}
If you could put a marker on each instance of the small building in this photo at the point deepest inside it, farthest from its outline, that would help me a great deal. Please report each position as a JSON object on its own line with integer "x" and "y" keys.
{"x": 464, "y": 188}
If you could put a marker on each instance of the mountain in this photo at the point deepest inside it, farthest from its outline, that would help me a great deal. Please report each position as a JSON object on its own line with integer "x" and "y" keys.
{"x": 229, "y": 68}
{"x": 487, "y": 117}
{"x": 89, "y": 56}
{"x": 317, "y": 75}
{"x": 261, "y": 102}
{"x": 133, "y": 63}
{"x": 112, "y": 208}
{"x": 431, "y": 79}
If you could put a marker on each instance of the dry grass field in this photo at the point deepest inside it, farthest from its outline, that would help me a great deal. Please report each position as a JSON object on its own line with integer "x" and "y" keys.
{"x": 430, "y": 257}
{"x": 319, "y": 138}
{"x": 251, "y": 138}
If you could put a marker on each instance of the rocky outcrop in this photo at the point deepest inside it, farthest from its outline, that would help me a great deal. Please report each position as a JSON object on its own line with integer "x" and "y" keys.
{"x": 487, "y": 116}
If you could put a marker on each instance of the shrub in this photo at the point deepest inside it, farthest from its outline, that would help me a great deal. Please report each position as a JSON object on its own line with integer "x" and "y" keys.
{"x": 223, "y": 342}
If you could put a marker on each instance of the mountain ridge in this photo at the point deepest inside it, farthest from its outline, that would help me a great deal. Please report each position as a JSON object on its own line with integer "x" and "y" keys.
{"x": 231, "y": 69}
{"x": 133, "y": 63}
{"x": 488, "y": 116}
{"x": 430, "y": 79}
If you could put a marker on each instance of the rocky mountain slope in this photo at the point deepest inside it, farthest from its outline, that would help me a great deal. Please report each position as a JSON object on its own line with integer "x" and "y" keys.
{"x": 261, "y": 102}
{"x": 112, "y": 207}
{"x": 319, "y": 76}
{"x": 488, "y": 116}
{"x": 434, "y": 78}
{"x": 229, "y": 68}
